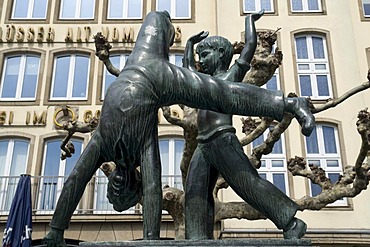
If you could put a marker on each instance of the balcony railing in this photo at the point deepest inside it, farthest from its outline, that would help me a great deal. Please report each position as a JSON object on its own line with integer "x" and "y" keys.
{"x": 46, "y": 190}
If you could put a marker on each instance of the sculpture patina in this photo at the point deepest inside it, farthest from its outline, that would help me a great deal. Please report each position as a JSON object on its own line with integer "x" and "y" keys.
{"x": 127, "y": 130}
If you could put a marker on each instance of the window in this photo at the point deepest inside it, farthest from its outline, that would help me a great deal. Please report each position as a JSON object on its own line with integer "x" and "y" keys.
{"x": 322, "y": 148}
{"x": 273, "y": 166}
{"x": 125, "y": 9}
{"x": 20, "y": 77}
{"x": 13, "y": 162}
{"x": 306, "y": 5}
{"x": 171, "y": 150}
{"x": 313, "y": 66}
{"x": 77, "y": 9}
{"x": 29, "y": 9}
{"x": 70, "y": 78}
{"x": 118, "y": 61}
{"x": 178, "y": 9}
{"x": 274, "y": 83}
{"x": 250, "y": 6}
{"x": 176, "y": 59}
{"x": 54, "y": 172}
{"x": 366, "y": 7}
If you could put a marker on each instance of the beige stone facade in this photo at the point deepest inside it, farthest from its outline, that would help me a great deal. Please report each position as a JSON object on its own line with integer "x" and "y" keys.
{"x": 38, "y": 49}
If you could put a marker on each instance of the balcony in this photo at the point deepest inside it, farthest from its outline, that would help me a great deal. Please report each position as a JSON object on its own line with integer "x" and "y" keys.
{"x": 46, "y": 190}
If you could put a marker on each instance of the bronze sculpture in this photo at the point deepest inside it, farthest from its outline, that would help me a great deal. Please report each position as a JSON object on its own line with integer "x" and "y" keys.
{"x": 219, "y": 150}
{"x": 127, "y": 131}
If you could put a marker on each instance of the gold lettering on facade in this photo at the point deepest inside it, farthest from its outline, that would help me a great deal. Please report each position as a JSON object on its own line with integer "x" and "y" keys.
{"x": 28, "y": 117}
{"x": 50, "y": 36}
{"x": 178, "y": 35}
{"x": 20, "y": 34}
{"x": 115, "y": 35}
{"x": 128, "y": 35}
{"x": 30, "y": 34}
{"x": 87, "y": 33}
{"x": 2, "y": 117}
{"x": 10, "y": 32}
{"x": 40, "y": 34}
{"x": 88, "y": 115}
{"x": 11, "y": 117}
{"x": 78, "y": 38}
{"x": 69, "y": 36}
{"x": 41, "y": 119}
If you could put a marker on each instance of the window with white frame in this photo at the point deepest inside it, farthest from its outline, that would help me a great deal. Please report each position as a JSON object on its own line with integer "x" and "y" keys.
{"x": 323, "y": 150}
{"x": 250, "y": 6}
{"x": 306, "y": 5}
{"x": 176, "y": 59}
{"x": 178, "y": 9}
{"x": 313, "y": 66}
{"x": 171, "y": 150}
{"x": 77, "y": 9}
{"x": 19, "y": 78}
{"x": 366, "y": 7}
{"x": 125, "y": 9}
{"x": 70, "y": 77}
{"x": 13, "y": 162}
{"x": 117, "y": 61}
{"x": 29, "y": 9}
{"x": 273, "y": 166}
{"x": 54, "y": 173}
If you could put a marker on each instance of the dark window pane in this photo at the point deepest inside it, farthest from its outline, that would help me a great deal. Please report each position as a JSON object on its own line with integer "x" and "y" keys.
{"x": 266, "y": 5}
{"x": 329, "y": 139}
{"x": 311, "y": 143}
{"x": 250, "y": 5}
{"x": 279, "y": 181}
{"x": 367, "y": 9}
{"x": 297, "y": 5}
{"x": 313, "y": 5}
{"x": 71, "y": 162}
{"x": 301, "y": 44}
{"x": 262, "y": 175}
{"x": 318, "y": 48}
{"x": 305, "y": 83}
{"x": 333, "y": 177}
{"x": 315, "y": 189}
{"x": 52, "y": 158}
{"x": 322, "y": 85}
{"x": 272, "y": 84}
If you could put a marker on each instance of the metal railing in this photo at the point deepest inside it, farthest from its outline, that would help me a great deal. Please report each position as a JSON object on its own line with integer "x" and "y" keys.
{"x": 46, "y": 190}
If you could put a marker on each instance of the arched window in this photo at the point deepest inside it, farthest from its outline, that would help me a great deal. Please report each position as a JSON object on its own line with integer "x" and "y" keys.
{"x": 20, "y": 78}
{"x": 313, "y": 66}
{"x": 70, "y": 77}
{"x": 13, "y": 162}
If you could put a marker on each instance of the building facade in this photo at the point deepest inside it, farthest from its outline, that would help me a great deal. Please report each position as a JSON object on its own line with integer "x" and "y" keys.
{"x": 49, "y": 74}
